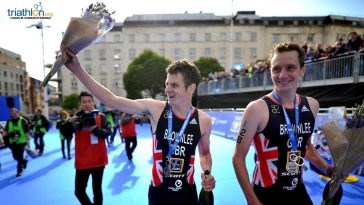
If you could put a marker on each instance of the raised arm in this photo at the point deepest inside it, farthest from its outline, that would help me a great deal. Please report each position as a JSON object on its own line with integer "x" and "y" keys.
{"x": 148, "y": 106}
{"x": 251, "y": 123}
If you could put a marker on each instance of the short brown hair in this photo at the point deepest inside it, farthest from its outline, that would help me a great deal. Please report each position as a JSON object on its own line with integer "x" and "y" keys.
{"x": 189, "y": 71}
{"x": 288, "y": 46}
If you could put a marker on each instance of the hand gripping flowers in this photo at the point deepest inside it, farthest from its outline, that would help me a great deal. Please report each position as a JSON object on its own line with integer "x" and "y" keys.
{"x": 346, "y": 143}
{"x": 81, "y": 32}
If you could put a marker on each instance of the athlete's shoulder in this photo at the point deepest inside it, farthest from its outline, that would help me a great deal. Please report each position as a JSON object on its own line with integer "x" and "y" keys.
{"x": 314, "y": 105}
{"x": 203, "y": 116}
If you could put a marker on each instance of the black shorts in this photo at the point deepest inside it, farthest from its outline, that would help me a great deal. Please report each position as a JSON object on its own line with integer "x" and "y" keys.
{"x": 160, "y": 195}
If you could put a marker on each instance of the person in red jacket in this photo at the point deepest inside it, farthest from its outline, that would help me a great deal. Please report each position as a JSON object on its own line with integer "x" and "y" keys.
{"x": 92, "y": 128}
{"x": 128, "y": 132}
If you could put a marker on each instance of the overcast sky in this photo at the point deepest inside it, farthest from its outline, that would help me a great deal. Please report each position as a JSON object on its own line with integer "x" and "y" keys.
{"x": 14, "y": 35}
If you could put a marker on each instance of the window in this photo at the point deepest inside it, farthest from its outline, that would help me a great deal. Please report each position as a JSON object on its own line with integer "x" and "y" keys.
{"x": 192, "y": 53}
{"x": 131, "y": 38}
{"x": 293, "y": 38}
{"x": 21, "y": 78}
{"x": 117, "y": 68}
{"x": 146, "y": 38}
{"x": 207, "y": 36}
{"x": 87, "y": 54}
{"x": 102, "y": 54}
{"x": 117, "y": 83}
{"x": 103, "y": 69}
{"x": 117, "y": 38}
{"x": 223, "y": 36}
{"x": 222, "y": 52}
{"x": 253, "y": 36}
{"x": 117, "y": 53}
{"x": 88, "y": 68}
{"x": 237, "y": 53}
{"x": 162, "y": 37}
{"x": 177, "y": 53}
{"x": 74, "y": 84}
{"x": 207, "y": 52}
{"x": 252, "y": 52}
{"x": 131, "y": 54}
{"x": 5, "y": 74}
{"x": 276, "y": 38}
{"x": 192, "y": 37}
{"x": 238, "y": 36}
{"x": 177, "y": 37}
{"x": 311, "y": 37}
{"x": 162, "y": 52}
{"x": 17, "y": 87}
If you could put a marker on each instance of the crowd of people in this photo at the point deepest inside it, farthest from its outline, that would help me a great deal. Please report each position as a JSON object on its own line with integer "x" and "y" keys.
{"x": 355, "y": 43}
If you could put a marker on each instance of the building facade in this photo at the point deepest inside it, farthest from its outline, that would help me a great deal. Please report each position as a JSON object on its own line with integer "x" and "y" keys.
{"x": 241, "y": 39}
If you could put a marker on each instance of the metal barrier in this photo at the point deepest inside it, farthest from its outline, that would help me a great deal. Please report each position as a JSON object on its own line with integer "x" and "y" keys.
{"x": 344, "y": 69}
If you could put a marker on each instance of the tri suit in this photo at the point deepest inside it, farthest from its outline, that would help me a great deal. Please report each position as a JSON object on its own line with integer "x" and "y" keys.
{"x": 277, "y": 179}
{"x": 179, "y": 187}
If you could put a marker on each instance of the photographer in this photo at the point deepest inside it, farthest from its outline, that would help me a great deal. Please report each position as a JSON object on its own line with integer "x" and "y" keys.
{"x": 91, "y": 130}
{"x": 17, "y": 138}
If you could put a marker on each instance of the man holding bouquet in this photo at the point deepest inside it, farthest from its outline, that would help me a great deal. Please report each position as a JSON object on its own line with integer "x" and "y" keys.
{"x": 178, "y": 128}
{"x": 279, "y": 125}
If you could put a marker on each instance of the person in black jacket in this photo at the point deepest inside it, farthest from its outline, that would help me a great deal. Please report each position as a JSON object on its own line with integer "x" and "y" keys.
{"x": 65, "y": 134}
{"x": 40, "y": 127}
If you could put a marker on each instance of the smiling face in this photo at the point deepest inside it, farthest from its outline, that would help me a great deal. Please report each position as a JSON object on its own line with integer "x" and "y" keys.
{"x": 286, "y": 71}
{"x": 176, "y": 91}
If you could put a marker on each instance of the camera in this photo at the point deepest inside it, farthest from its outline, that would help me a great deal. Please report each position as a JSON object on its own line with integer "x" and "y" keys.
{"x": 88, "y": 118}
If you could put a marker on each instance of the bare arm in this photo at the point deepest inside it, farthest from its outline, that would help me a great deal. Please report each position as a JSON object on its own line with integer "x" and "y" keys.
{"x": 149, "y": 106}
{"x": 311, "y": 153}
{"x": 250, "y": 124}
{"x": 208, "y": 182}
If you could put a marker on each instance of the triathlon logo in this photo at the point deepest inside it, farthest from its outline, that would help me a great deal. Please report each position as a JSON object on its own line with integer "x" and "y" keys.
{"x": 36, "y": 12}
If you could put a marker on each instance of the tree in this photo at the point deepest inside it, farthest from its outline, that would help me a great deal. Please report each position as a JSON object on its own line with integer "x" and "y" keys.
{"x": 145, "y": 73}
{"x": 208, "y": 65}
{"x": 71, "y": 102}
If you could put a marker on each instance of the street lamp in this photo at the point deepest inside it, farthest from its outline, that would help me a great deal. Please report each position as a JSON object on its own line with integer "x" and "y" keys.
{"x": 40, "y": 26}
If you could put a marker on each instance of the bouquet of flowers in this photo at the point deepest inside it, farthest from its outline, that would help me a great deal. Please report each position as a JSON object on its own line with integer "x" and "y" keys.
{"x": 95, "y": 22}
{"x": 346, "y": 143}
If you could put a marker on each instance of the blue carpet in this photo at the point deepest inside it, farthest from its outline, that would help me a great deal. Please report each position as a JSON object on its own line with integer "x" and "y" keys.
{"x": 49, "y": 179}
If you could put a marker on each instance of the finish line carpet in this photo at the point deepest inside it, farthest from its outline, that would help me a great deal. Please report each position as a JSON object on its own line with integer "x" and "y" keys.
{"x": 49, "y": 179}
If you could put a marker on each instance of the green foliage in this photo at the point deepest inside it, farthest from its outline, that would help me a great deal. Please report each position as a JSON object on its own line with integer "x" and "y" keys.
{"x": 70, "y": 102}
{"x": 145, "y": 73}
{"x": 208, "y": 65}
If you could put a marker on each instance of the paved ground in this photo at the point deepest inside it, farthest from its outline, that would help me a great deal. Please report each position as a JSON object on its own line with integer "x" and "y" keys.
{"x": 49, "y": 179}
